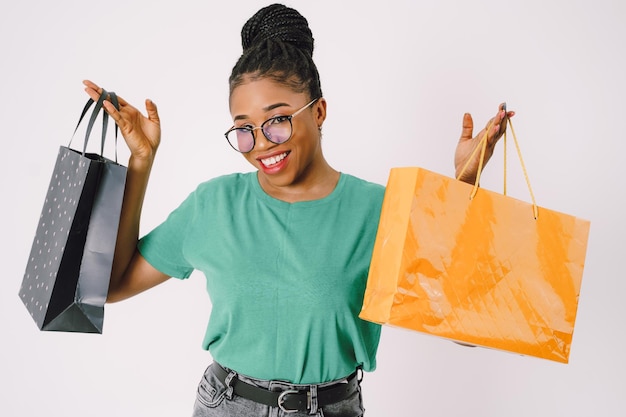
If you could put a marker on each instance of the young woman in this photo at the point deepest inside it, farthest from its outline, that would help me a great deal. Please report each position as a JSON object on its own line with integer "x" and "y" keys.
{"x": 285, "y": 249}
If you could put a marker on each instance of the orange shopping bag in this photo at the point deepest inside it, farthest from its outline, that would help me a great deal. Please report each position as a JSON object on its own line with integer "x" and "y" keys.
{"x": 475, "y": 266}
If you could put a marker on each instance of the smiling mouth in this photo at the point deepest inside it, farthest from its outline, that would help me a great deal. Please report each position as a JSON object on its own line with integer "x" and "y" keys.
{"x": 273, "y": 160}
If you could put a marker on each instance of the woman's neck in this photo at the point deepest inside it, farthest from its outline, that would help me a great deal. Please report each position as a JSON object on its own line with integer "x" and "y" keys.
{"x": 313, "y": 185}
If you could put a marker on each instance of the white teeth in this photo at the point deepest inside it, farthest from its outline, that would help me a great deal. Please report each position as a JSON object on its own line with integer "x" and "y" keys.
{"x": 274, "y": 159}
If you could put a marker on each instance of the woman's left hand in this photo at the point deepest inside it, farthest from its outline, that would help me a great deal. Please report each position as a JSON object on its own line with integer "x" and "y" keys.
{"x": 467, "y": 143}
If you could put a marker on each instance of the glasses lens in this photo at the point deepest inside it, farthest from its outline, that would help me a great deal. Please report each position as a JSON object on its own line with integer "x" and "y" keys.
{"x": 241, "y": 139}
{"x": 278, "y": 129}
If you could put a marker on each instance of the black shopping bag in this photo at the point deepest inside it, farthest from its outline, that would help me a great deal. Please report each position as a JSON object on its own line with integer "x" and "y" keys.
{"x": 67, "y": 275}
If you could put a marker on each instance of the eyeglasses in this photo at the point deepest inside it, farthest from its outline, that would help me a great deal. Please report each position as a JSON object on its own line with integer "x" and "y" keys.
{"x": 277, "y": 130}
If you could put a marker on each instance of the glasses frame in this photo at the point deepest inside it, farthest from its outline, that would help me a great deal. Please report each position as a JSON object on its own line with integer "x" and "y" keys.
{"x": 251, "y": 130}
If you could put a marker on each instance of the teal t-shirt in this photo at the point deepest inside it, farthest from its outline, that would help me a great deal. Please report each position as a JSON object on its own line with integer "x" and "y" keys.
{"x": 286, "y": 280}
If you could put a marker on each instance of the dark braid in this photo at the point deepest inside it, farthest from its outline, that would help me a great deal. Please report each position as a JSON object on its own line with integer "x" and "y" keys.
{"x": 278, "y": 44}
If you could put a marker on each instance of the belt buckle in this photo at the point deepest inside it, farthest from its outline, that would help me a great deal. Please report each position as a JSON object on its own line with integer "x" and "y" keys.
{"x": 281, "y": 401}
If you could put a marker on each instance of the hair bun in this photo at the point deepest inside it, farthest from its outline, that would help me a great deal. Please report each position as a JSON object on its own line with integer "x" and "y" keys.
{"x": 278, "y": 22}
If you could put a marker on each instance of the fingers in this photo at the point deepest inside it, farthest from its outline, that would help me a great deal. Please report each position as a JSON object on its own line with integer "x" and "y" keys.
{"x": 509, "y": 113}
{"x": 94, "y": 92}
{"x": 494, "y": 128}
{"x": 122, "y": 101}
{"x": 503, "y": 111}
{"x": 152, "y": 111}
{"x": 91, "y": 85}
{"x": 498, "y": 125}
{"x": 468, "y": 127}
{"x": 115, "y": 115}
{"x": 92, "y": 89}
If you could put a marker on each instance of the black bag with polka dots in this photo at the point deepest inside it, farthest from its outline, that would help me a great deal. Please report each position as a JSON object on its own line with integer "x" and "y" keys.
{"x": 67, "y": 275}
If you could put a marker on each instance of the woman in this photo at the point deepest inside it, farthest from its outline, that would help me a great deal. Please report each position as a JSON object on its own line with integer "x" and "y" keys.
{"x": 285, "y": 249}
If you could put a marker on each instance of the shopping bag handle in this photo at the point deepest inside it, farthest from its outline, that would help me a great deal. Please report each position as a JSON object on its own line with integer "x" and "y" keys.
{"x": 92, "y": 119}
{"x": 482, "y": 145}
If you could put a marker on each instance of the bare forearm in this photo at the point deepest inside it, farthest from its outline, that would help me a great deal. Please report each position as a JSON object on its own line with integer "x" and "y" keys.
{"x": 128, "y": 233}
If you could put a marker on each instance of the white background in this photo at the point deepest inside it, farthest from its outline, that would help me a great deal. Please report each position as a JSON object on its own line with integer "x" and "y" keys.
{"x": 398, "y": 76}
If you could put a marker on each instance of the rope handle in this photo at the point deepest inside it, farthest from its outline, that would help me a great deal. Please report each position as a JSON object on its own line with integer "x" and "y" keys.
{"x": 92, "y": 119}
{"x": 482, "y": 145}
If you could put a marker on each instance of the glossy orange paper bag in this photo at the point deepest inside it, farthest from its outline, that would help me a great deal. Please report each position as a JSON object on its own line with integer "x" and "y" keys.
{"x": 482, "y": 271}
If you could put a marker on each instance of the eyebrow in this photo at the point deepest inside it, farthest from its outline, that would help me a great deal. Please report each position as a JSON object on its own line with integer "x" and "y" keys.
{"x": 265, "y": 109}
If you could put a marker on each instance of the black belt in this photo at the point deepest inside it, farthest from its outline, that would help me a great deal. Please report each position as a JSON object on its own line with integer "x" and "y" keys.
{"x": 292, "y": 400}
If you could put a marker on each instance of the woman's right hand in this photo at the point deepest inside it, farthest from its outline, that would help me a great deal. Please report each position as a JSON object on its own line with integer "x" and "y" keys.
{"x": 130, "y": 273}
{"x": 142, "y": 134}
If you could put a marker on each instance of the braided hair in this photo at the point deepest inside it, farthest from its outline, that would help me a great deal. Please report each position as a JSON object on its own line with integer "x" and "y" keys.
{"x": 278, "y": 44}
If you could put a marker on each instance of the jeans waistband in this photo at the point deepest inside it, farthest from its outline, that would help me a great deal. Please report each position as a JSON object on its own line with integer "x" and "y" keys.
{"x": 294, "y": 397}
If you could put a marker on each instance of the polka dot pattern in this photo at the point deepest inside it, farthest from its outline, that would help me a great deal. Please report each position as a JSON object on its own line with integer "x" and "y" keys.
{"x": 53, "y": 231}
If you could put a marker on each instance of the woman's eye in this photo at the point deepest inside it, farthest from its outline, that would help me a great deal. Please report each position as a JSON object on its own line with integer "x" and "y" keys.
{"x": 278, "y": 119}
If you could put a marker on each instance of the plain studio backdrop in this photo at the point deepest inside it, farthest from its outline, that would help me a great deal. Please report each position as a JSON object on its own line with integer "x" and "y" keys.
{"x": 398, "y": 76}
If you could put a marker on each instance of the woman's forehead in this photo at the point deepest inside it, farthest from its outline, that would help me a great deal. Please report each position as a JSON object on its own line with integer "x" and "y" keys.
{"x": 262, "y": 95}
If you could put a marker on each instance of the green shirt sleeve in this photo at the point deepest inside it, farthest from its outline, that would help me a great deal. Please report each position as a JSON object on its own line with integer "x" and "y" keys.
{"x": 163, "y": 247}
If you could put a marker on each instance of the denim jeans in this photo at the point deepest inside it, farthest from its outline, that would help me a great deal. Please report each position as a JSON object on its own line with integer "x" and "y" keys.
{"x": 214, "y": 399}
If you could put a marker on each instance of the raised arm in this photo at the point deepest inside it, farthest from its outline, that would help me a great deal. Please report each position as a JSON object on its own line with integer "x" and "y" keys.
{"x": 467, "y": 142}
{"x": 131, "y": 273}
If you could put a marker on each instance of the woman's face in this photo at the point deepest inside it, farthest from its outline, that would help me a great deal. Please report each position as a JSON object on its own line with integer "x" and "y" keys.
{"x": 289, "y": 164}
